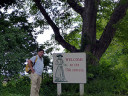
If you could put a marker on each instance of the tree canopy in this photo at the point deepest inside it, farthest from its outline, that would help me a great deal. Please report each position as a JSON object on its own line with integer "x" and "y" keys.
{"x": 17, "y": 42}
{"x": 92, "y": 20}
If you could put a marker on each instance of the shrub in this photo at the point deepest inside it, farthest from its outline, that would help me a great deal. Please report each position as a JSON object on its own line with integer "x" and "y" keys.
{"x": 20, "y": 86}
{"x": 106, "y": 79}
{"x": 48, "y": 88}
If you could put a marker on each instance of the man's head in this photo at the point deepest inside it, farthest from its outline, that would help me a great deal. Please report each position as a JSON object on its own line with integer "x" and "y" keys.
{"x": 40, "y": 52}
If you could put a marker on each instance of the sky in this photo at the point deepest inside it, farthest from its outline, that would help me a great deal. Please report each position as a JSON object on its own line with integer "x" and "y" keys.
{"x": 41, "y": 38}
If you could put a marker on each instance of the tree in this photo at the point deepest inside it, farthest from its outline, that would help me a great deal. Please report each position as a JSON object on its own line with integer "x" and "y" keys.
{"x": 57, "y": 13}
{"x": 6, "y": 2}
{"x": 17, "y": 42}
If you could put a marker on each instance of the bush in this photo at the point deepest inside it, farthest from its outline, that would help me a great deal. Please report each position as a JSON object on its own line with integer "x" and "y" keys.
{"x": 9, "y": 94}
{"x": 102, "y": 80}
{"x": 23, "y": 86}
{"x": 20, "y": 86}
{"x": 106, "y": 79}
{"x": 48, "y": 88}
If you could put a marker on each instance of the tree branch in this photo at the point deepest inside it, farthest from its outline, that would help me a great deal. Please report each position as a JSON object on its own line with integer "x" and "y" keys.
{"x": 75, "y": 6}
{"x": 109, "y": 31}
{"x": 58, "y": 37}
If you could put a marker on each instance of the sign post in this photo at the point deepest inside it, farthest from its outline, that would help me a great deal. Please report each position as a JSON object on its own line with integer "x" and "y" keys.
{"x": 69, "y": 68}
{"x": 81, "y": 89}
{"x": 59, "y": 89}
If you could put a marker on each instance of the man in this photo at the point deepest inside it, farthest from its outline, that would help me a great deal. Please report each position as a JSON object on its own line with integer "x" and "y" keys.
{"x": 36, "y": 72}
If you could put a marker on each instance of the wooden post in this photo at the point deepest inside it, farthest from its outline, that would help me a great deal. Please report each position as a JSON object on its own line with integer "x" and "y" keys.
{"x": 81, "y": 89}
{"x": 59, "y": 89}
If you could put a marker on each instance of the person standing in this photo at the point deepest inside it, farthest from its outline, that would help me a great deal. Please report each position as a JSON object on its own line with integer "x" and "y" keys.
{"x": 36, "y": 72}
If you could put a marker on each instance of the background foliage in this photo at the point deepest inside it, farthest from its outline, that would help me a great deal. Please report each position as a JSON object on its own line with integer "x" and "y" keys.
{"x": 17, "y": 42}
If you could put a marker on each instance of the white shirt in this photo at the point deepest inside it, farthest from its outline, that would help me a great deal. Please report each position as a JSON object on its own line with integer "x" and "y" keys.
{"x": 39, "y": 65}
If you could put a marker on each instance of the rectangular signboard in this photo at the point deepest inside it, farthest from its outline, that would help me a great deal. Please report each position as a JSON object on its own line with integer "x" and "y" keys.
{"x": 69, "y": 68}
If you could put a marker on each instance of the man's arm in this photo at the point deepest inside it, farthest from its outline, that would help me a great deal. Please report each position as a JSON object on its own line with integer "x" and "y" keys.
{"x": 30, "y": 65}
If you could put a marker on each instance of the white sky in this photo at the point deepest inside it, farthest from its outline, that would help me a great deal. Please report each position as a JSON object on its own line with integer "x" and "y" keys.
{"x": 41, "y": 38}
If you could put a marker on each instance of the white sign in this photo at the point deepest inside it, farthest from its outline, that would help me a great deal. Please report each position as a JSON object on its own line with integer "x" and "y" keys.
{"x": 69, "y": 68}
